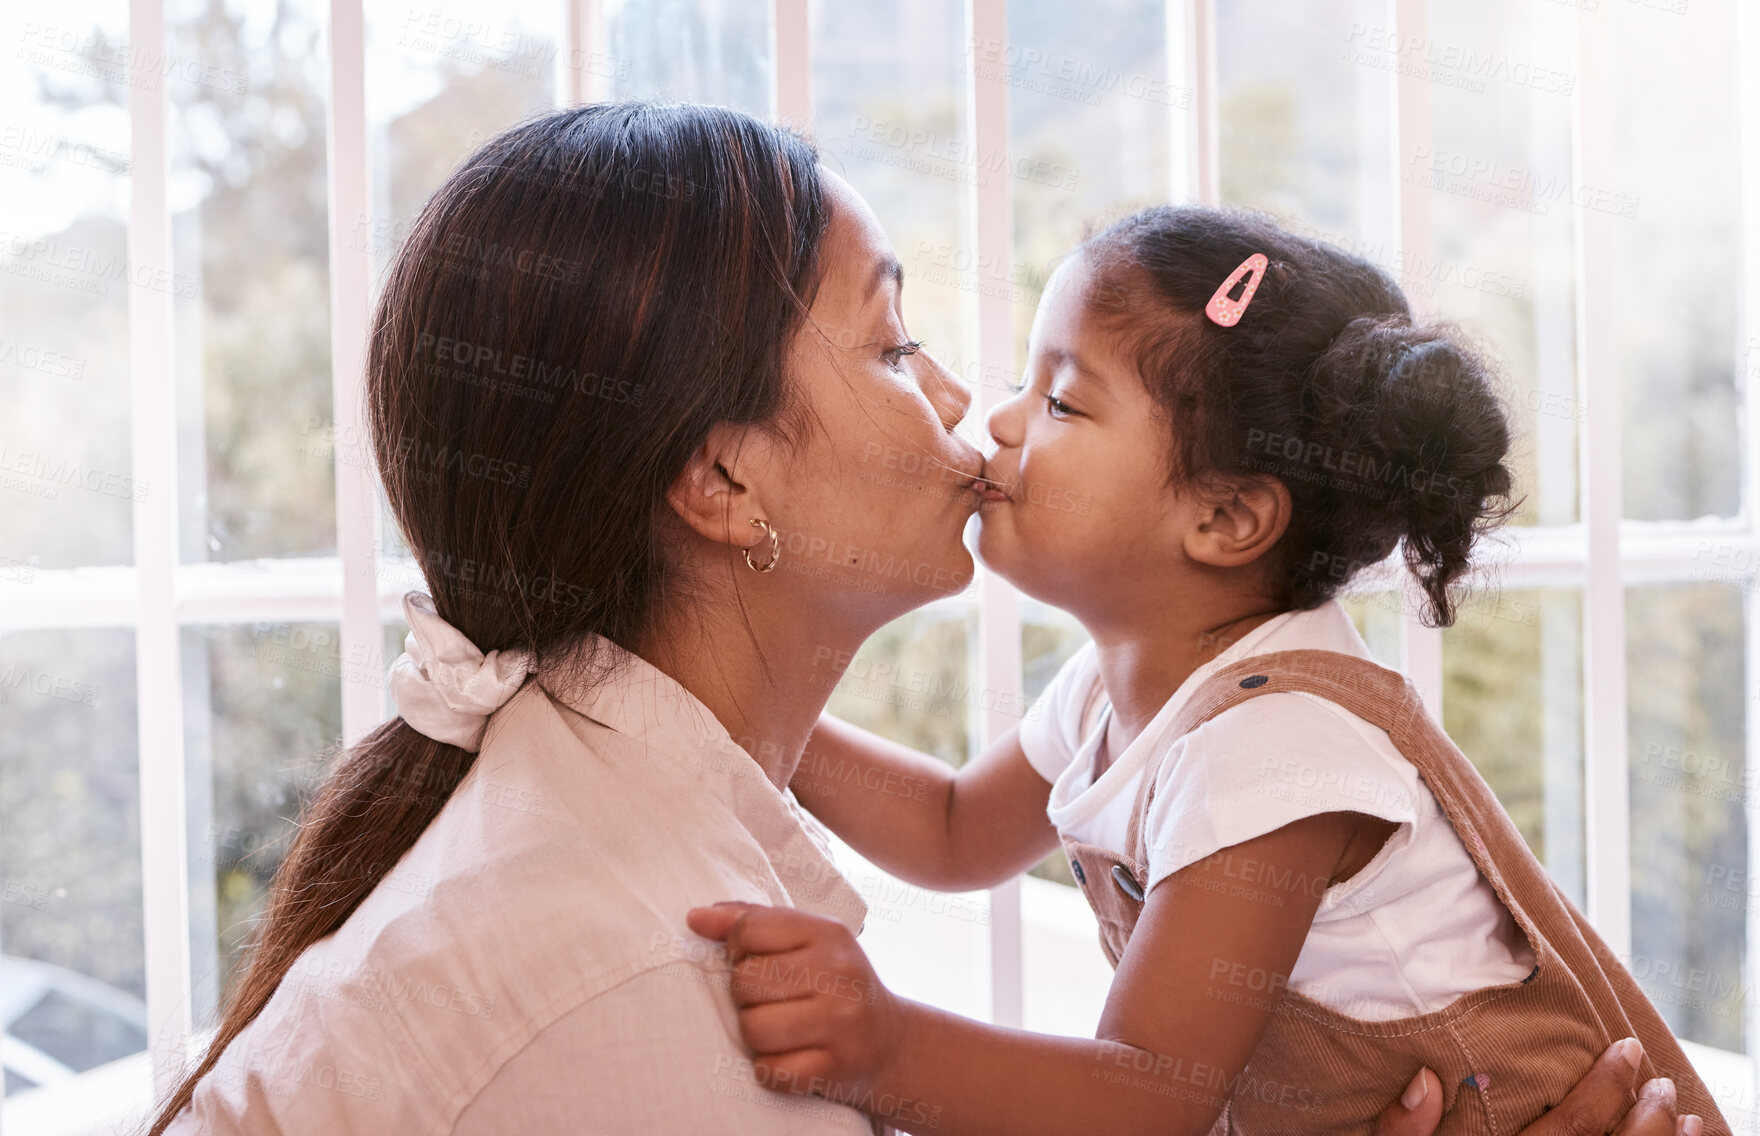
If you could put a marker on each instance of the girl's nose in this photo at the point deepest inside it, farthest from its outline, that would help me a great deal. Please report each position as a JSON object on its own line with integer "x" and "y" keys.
{"x": 1003, "y": 422}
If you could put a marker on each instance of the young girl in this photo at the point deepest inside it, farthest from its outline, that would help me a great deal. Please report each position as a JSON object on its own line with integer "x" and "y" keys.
{"x": 1307, "y": 892}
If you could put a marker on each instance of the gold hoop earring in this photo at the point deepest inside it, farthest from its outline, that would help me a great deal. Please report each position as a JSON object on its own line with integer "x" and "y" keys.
{"x": 775, "y": 547}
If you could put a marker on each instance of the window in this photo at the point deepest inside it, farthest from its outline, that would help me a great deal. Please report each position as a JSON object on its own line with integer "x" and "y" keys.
{"x": 199, "y": 588}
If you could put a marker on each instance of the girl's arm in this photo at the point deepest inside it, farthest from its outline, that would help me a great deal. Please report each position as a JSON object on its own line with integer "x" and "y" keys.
{"x": 920, "y": 819}
{"x": 1193, "y": 992}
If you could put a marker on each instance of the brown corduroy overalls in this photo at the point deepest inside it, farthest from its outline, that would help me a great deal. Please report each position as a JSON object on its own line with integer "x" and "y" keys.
{"x": 1505, "y": 1054}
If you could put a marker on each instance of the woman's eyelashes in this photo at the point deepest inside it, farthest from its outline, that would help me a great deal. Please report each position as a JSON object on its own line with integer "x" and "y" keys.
{"x": 894, "y": 356}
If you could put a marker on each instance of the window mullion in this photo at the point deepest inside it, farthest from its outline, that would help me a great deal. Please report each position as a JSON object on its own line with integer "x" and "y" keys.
{"x": 791, "y": 64}
{"x": 1190, "y": 51}
{"x": 990, "y": 214}
{"x": 587, "y": 63}
{"x": 1607, "y": 814}
{"x": 158, "y": 663}
{"x": 357, "y": 500}
{"x": 1421, "y": 646}
{"x": 1748, "y": 357}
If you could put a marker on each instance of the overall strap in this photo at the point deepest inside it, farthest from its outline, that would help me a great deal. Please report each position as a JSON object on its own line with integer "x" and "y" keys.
{"x": 1372, "y": 692}
{"x": 1367, "y": 689}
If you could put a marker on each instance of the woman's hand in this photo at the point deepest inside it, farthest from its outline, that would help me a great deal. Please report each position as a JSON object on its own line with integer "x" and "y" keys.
{"x": 1597, "y": 1104}
{"x": 810, "y": 1007}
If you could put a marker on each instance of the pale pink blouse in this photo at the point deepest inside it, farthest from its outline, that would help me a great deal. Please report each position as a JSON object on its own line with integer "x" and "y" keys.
{"x": 526, "y": 966}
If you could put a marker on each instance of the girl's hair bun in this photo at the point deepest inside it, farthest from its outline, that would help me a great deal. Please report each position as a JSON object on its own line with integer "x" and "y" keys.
{"x": 1420, "y": 409}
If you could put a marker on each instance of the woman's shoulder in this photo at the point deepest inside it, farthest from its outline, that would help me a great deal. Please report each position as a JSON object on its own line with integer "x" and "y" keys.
{"x": 620, "y": 1054}
{"x": 559, "y": 870}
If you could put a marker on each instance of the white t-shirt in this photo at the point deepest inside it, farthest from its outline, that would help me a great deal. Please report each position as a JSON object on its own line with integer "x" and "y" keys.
{"x": 1414, "y": 929}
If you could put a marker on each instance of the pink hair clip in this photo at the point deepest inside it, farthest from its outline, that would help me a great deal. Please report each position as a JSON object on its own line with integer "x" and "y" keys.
{"x": 1227, "y": 312}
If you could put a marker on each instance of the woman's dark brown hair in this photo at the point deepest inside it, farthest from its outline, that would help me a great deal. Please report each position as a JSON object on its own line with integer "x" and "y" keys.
{"x": 582, "y": 300}
{"x": 1384, "y": 429}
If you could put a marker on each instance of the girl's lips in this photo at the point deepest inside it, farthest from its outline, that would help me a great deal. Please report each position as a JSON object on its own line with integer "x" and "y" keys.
{"x": 988, "y": 489}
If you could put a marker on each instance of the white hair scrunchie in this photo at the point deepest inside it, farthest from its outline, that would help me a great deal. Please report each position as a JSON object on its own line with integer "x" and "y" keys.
{"x": 443, "y": 686}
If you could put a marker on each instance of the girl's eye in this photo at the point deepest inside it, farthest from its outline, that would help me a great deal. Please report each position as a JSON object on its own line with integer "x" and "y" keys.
{"x": 1058, "y": 407}
{"x": 1017, "y": 387}
{"x": 893, "y": 355}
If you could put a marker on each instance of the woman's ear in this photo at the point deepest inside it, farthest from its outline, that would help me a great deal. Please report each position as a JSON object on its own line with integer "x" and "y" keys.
{"x": 714, "y": 493}
{"x": 1240, "y": 523}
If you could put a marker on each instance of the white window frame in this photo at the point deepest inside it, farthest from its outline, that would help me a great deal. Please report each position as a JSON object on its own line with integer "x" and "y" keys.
{"x": 158, "y": 596}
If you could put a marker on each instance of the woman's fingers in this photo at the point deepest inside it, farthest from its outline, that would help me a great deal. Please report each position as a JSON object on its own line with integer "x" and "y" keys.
{"x": 1655, "y": 1112}
{"x": 1418, "y": 1110}
{"x": 1598, "y": 1102}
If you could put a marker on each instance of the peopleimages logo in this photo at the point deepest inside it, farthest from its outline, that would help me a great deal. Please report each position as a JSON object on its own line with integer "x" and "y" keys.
{"x": 1357, "y": 472}
{"x": 46, "y": 476}
{"x": 430, "y": 459}
{"x": 499, "y": 369}
{"x": 47, "y": 45}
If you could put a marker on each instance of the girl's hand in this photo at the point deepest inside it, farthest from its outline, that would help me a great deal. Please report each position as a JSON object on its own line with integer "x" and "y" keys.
{"x": 809, "y": 1004}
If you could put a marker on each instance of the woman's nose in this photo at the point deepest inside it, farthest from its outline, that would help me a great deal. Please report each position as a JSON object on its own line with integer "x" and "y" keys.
{"x": 950, "y": 396}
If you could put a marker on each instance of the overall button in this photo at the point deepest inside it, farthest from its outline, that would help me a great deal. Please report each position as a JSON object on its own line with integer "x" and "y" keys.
{"x": 1075, "y": 866}
{"x": 1126, "y": 882}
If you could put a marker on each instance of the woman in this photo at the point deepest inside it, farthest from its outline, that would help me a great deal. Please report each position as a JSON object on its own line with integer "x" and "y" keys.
{"x": 624, "y": 348}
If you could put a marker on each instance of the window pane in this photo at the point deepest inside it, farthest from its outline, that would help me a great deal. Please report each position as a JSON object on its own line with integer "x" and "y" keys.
{"x": 700, "y": 51}
{"x": 442, "y": 78}
{"x": 1496, "y": 175}
{"x": 908, "y": 682}
{"x": 1513, "y": 702}
{"x": 250, "y": 232}
{"x": 1677, "y": 188}
{"x": 66, "y": 488}
{"x": 1304, "y": 113}
{"x": 1689, "y": 786}
{"x": 72, "y": 975}
{"x": 1089, "y": 120}
{"x": 263, "y": 709}
{"x": 396, "y": 631}
{"x": 1379, "y": 617}
{"x": 1049, "y": 637}
{"x": 889, "y": 115}
{"x": 1067, "y": 975}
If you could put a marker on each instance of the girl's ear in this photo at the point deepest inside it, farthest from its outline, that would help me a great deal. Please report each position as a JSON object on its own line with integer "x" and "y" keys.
{"x": 1240, "y": 523}
{"x": 713, "y": 494}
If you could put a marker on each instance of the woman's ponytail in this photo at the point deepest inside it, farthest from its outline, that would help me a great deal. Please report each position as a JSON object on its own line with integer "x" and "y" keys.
{"x": 376, "y": 803}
